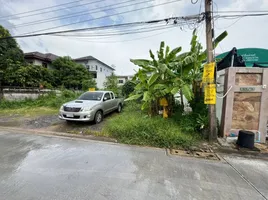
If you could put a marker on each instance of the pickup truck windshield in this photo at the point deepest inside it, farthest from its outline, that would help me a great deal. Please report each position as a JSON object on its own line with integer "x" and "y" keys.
{"x": 91, "y": 96}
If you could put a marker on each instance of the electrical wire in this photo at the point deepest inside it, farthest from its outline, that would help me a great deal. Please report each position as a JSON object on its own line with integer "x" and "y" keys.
{"x": 194, "y": 2}
{"x": 78, "y": 14}
{"x": 166, "y": 20}
{"x": 122, "y": 33}
{"x": 49, "y": 11}
{"x": 103, "y": 17}
{"x": 41, "y": 9}
{"x": 129, "y": 40}
{"x": 242, "y": 11}
{"x": 114, "y": 32}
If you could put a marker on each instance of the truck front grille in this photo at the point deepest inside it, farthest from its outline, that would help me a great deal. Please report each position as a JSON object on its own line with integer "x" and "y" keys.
{"x": 71, "y": 109}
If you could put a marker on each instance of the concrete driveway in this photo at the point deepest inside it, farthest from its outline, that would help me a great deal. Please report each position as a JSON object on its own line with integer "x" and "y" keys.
{"x": 46, "y": 168}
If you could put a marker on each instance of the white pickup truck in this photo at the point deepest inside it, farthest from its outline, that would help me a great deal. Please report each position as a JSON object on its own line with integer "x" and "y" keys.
{"x": 91, "y": 106}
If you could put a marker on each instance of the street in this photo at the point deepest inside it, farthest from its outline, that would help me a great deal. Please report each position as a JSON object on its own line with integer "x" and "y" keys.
{"x": 46, "y": 168}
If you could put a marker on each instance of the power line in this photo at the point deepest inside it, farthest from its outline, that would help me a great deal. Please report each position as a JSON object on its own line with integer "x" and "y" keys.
{"x": 167, "y": 20}
{"x": 242, "y": 11}
{"x": 103, "y": 17}
{"x": 41, "y": 9}
{"x": 242, "y": 15}
{"x": 121, "y": 33}
{"x": 86, "y": 12}
{"x": 49, "y": 11}
{"x": 134, "y": 39}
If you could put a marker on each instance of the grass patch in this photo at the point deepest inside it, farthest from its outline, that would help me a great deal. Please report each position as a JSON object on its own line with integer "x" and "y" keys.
{"x": 134, "y": 127}
{"x": 44, "y": 105}
{"x": 29, "y": 111}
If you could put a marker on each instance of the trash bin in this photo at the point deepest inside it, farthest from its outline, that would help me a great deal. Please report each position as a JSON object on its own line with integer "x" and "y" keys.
{"x": 246, "y": 139}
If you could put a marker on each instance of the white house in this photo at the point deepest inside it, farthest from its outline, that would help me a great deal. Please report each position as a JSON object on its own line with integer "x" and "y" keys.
{"x": 123, "y": 79}
{"x": 99, "y": 69}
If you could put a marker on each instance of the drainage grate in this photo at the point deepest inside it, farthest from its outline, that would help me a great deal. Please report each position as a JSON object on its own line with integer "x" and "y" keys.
{"x": 205, "y": 154}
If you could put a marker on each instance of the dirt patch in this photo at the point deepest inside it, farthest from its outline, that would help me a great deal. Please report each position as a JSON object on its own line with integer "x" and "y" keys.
{"x": 52, "y": 123}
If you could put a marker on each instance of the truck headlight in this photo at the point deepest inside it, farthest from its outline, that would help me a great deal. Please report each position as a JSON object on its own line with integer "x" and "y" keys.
{"x": 86, "y": 109}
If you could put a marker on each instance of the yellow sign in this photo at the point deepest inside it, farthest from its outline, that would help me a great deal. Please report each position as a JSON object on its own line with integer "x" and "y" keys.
{"x": 208, "y": 74}
{"x": 163, "y": 102}
{"x": 91, "y": 89}
{"x": 210, "y": 94}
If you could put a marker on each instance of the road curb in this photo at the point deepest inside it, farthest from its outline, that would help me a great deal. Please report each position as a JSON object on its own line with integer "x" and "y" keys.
{"x": 61, "y": 134}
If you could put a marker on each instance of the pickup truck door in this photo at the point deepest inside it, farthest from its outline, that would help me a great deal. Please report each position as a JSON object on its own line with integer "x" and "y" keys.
{"x": 107, "y": 104}
{"x": 114, "y": 101}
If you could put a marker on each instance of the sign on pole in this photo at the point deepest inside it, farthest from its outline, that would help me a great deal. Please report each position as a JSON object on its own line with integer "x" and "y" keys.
{"x": 210, "y": 94}
{"x": 208, "y": 74}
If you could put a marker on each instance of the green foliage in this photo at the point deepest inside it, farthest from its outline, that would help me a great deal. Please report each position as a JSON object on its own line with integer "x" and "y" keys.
{"x": 90, "y": 83}
{"x": 70, "y": 74}
{"x": 111, "y": 84}
{"x": 50, "y": 100}
{"x": 134, "y": 127}
{"x": 128, "y": 88}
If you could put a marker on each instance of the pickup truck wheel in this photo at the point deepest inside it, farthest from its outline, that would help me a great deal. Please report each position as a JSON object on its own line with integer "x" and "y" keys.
{"x": 119, "y": 108}
{"x": 98, "y": 117}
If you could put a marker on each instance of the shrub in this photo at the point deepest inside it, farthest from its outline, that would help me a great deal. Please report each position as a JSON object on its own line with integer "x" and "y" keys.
{"x": 134, "y": 127}
{"x": 128, "y": 88}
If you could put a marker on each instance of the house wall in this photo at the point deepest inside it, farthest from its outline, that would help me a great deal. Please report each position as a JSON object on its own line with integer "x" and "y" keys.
{"x": 124, "y": 79}
{"x": 102, "y": 70}
{"x": 39, "y": 62}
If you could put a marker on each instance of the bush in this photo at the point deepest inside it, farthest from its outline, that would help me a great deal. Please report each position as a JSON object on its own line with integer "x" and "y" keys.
{"x": 128, "y": 88}
{"x": 134, "y": 127}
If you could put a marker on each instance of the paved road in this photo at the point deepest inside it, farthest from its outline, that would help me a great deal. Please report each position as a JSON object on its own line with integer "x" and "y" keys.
{"x": 46, "y": 168}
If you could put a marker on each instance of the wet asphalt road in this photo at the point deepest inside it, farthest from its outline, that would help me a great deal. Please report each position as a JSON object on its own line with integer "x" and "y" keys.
{"x": 46, "y": 168}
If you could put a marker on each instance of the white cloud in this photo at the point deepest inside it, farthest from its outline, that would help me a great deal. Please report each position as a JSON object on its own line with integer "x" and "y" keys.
{"x": 247, "y": 32}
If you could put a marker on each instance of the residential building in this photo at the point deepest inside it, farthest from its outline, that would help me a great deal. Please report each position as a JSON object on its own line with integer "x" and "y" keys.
{"x": 123, "y": 79}
{"x": 37, "y": 58}
{"x": 99, "y": 69}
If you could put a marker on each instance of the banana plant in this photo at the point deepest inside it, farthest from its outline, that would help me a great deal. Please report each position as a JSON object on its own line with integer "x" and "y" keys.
{"x": 156, "y": 77}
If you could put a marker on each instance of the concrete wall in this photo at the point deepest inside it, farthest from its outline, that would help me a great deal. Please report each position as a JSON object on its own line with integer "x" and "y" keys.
{"x": 220, "y": 93}
{"x": 20, "y": 94}
{"x": 246, "y": 105}
{"x": 102, "y": 70}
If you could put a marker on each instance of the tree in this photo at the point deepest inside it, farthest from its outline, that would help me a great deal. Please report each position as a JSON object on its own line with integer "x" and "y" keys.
{"x": 111, "y": 83}
{"x": 33, "y": 76}
{"x": 128, "y": 88}
{"x": 90, "y": 83}
{"x": 169, "y": 73}
{"x": 11, "y": 56}
{"x": 70, "y": 74}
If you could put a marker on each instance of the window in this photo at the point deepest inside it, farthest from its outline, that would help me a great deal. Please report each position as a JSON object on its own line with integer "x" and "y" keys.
{"x": 91, "y": 96}
{"x": 87, "y": 66}
{"x": 96, "y": 67}
{"x": 112, "y": 95}
{"x": 94, "y": 75}
{"x": 107, "y": 96}
{"x": 100, "y": 69}
{"x": 120, "y": 81}
{"x": 44, "y": 64}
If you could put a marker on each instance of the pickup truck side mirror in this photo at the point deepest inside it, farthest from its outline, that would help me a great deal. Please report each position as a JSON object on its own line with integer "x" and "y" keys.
{"x": 105, "y": 99}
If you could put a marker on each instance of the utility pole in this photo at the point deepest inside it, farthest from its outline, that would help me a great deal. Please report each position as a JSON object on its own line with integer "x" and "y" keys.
{"x": 210, "y": 58}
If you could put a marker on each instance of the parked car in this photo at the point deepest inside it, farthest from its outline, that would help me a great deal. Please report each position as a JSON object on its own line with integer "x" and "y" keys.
{"x": 91, "y": 106}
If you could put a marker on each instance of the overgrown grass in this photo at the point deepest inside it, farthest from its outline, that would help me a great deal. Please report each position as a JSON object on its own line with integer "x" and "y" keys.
{"x": 44, "y": 104}
{"x": 134, "y": 127}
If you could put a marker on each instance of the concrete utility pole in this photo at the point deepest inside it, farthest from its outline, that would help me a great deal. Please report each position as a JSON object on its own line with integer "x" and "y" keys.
{"x": 210, "y": 58}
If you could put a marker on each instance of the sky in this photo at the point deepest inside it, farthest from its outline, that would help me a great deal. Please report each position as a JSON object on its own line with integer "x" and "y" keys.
{"x": 118, "y": 50}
